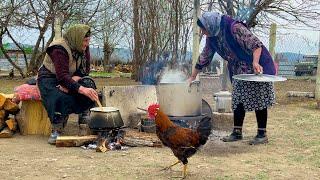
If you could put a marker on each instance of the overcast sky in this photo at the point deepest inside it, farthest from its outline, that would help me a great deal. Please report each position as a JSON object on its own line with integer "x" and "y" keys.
{"x": 288, "y": 40}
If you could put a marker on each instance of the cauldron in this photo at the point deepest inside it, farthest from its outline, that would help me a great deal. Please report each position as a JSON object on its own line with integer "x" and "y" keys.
{"x": 180, "y": 99}
{"x": 104, "y": 118}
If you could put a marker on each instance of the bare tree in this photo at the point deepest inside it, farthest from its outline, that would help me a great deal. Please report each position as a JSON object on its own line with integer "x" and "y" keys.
{"x": 160, "y": 26}
{"x": 109, "y": 27}
{"x": 7, "y": 10}
{"x": 137, "y": 56}
{"x": 39, "y": 15}
{"x": 265, "y": 12}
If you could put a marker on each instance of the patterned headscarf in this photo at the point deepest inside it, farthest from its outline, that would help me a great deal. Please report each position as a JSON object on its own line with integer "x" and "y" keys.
{"x": 211, "y": 22}
{"x": 75, "y": 35}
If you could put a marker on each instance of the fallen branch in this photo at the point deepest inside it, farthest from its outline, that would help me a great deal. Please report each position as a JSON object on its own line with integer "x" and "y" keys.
{"x": 135, "y": 138}
{"x": 300, "y": 94}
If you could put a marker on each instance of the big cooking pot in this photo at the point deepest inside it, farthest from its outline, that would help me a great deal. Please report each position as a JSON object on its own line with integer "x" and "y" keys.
{"x": 180, "y": 99}
{"x": 102, "y": 118}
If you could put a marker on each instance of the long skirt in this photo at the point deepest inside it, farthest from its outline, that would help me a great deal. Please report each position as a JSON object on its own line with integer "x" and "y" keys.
{"x": 253, "y": 95}
{"x": 57, "y": 102}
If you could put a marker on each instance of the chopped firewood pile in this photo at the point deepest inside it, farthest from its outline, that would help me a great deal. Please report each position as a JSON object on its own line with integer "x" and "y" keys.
{"x": 8, "y": 124}
{"x": 124, "y": 68}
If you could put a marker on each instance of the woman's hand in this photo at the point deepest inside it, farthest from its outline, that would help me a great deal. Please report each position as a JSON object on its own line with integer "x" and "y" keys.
{"x": 191, "y": 78}
{"x": 256, "y": 57}
{"x": 89, "y": 92}
{"x": 257, "y": 68}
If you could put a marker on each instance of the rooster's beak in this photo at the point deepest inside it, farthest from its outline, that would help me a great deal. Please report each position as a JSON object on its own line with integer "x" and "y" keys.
{"x": 142, "y": 109}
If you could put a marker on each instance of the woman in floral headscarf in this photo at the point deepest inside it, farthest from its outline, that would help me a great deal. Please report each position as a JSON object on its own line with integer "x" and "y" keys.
{"x": 245, "y": 54}
{"x": 62, "y": 83}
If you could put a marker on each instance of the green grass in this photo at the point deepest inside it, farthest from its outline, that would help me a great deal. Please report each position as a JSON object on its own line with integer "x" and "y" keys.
{"x": 305, "y": 138}
{"x": 109, "y": 75}
{"x": 312, "y": 78}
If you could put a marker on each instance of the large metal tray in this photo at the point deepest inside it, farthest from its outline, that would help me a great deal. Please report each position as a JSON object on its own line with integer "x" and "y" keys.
{"x": 259, "y": 77}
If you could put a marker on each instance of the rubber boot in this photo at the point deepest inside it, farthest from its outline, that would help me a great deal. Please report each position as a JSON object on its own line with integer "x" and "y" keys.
{"x": 84, "y": 117}
{"x": 261, "y": 138}
{"x": 236, "y": 135}
{"x": 83, "y": 121}
{"x": 56, "y": 131}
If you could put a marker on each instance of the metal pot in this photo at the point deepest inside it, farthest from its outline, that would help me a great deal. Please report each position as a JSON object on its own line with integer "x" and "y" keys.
{"x": 180, "y": 99}
{"x": 105, "y": 118}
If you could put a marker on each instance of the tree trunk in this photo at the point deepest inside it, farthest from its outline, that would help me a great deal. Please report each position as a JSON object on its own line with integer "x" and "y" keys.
{"x": 137, "y": 41}
{"x": 107, "y": 50}
{"x": 195, "y": 42}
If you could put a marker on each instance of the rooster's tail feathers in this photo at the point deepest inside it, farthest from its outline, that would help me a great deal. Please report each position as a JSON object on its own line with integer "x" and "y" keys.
{"x": 204, "y": 129}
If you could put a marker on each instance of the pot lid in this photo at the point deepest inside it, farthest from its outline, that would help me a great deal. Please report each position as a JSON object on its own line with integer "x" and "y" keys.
{"x": 104, "y": 109}
{"x": 183, "y": 83}
{"x": 259, "y": 77}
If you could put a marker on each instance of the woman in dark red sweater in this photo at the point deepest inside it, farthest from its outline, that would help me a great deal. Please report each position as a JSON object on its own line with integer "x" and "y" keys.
{"x": 62, "y": 80}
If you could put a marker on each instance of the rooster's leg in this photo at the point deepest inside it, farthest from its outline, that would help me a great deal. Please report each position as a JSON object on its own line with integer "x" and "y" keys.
{"x": 172, "y": 165}
{"x": 184, "y": 172}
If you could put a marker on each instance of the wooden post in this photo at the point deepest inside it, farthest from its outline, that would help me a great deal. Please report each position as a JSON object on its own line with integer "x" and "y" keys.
{"x": 317, "y": 90}
{"x": 224, "y": 79}
{"x": 272, "y": 39}
{"x": 196, "y": 33}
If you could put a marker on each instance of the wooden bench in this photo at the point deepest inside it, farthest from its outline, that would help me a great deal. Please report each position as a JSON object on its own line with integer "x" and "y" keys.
{"x": 33, "y": 118}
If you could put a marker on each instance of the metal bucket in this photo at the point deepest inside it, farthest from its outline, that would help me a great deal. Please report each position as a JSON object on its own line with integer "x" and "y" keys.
{"x": 180, "y": 99}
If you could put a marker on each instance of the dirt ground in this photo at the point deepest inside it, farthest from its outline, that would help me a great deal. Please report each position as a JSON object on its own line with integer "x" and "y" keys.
{"x": 293, "y": 151}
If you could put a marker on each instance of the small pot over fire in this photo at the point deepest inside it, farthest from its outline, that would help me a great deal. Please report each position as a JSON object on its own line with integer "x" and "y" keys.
{"x": 103, "y": 118}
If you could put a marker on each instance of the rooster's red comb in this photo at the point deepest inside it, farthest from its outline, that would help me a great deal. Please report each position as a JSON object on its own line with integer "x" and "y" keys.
{"x": 152, "y": 109}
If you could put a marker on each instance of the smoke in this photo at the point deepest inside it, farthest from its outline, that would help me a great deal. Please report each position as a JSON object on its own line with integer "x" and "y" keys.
{"x": 151, "y": 72}
{"x": 173, "y": 76}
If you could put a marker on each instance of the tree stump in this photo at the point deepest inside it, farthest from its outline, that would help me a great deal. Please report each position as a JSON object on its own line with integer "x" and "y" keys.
{"x": 33, "y": 118}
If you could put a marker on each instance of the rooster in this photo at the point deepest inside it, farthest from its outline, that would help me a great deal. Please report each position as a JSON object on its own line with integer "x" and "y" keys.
{"x": 183, "y": 142}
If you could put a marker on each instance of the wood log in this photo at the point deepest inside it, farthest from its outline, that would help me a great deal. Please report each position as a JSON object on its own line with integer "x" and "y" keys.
{"x": 8, "y": 96}
{"x": 3, "y": 116}
{"x": 74, "y": 141}
{"x": 10, "y": 106}
{"x": 2, "y": 125}
{"x": 33, "y": 118}
{"x": 300, "y": 94}
{"x": 6, "y": 133}
{"x": 2, "y": 100}
{"x": 12, "y": 124}
{"x": 135, "y": 138}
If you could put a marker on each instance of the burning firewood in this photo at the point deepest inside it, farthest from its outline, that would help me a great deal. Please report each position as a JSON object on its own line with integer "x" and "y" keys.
{"x": 102, "y": 145}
